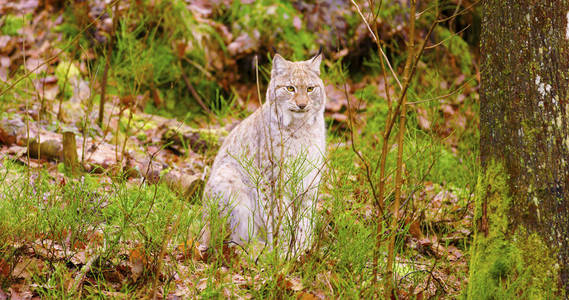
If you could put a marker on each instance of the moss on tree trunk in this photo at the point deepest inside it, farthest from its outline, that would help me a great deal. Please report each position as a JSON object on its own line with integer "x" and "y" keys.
{"x": 521, "y": 245}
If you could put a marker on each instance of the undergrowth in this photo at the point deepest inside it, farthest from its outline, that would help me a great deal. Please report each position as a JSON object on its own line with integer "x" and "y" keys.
{"x": 133, "y": 235}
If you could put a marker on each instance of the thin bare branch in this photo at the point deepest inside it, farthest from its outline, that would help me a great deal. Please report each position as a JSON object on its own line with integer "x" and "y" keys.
{"x": 194, "y": 92}
{"x": 26, "y": 75}
{"x": 378, "y": 44}
{"x": 455, "y": 91}
{"x": 390, "y": 287}
{"x": 450, "y": 37}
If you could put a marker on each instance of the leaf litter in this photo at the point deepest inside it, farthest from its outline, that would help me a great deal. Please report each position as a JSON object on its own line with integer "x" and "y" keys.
{"x": 178, "y": 154}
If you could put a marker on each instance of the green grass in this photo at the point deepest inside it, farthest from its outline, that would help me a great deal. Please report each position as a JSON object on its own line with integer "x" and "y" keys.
{"x": 115, "y": 221}
{"x": 79, "y": 215}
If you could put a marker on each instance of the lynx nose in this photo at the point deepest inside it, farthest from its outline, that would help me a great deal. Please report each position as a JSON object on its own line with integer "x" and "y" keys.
{"x": 301, "y": 105}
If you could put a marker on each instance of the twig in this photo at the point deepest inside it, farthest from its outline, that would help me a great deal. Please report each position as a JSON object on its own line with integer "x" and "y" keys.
{"x": 86, "y": 268}
{"x": 107, "y": 65}
{"x": 194, "y": 92}
{"x": 442, "y": 96}
{"x": 389, "y": 284}
{"x": 26, "y": 75}
{"x": 378, "y": 44}
{"x": 60, "y": 109}
{"x": 450, "y": 37}
{"x": 357, "y": 152}
{"x": 197, "y": 66}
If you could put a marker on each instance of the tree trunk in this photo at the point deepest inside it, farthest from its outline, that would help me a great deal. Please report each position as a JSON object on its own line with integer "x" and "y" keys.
{"x": 521, "y": 244}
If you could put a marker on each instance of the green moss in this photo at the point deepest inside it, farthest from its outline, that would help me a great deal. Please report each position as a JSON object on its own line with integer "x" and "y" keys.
{"x": 507, "y": 262}
{"x": 274, "y": 22}
{"x": 457, "y": 47}
{"x": 64, "y": 71}
{"x": 12, "y": 24}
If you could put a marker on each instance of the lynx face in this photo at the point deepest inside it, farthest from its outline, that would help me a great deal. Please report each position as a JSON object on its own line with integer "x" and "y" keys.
{"x": 296, "y": 90}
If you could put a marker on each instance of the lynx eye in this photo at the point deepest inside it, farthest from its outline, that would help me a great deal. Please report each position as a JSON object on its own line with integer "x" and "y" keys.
{"x": 310, "y": 89}
{"x": 290, "y": 88}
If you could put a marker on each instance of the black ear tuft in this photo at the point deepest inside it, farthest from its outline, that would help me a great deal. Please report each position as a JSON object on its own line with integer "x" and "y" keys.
{"x": 318, "y": 54}
{"x": 314, "y": 63}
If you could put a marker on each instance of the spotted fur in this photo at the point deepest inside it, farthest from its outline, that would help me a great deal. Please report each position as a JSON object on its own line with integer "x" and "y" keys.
{"x": 266, "y": 173}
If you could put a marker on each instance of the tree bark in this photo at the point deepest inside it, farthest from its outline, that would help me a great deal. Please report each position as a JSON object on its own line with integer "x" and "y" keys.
{"x": 70, "y": 153}
{"x": 521, "y": 244}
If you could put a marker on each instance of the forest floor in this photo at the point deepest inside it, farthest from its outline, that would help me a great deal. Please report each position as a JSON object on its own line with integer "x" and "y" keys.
{"x": 124, "y": 222}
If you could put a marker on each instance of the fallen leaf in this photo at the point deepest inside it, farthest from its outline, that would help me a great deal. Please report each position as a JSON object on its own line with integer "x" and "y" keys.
{"x": 297, "y": 23}
{"x": 244, "y": 43}
{"x": 239, "y": 280}
{"x": 4, "y": 269}
{"x": 415, "y": 228}
{"x": 191, "y": 249}
{"x": 305, "y": 296}
{"x": 423, "y": 119}
{"x": 203, "y": 8}
{"x": 202, "y": 284}
{"x": 294, "y": 284}
{"x": 27, "y": 266}
{"x": 454, "y": 253}
{"x": 35, "y": 65}
{"x": 137, "y": 261}
{"x": 20, "y": 292}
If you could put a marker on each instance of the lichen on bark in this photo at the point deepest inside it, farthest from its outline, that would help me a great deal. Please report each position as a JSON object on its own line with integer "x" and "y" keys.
{"x": 524, "y": 134}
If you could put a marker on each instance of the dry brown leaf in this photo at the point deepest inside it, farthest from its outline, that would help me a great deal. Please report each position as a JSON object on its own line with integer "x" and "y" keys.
{"x": 415, "y": 228}
{"x": 454, "y": 253}
{"x": 423, "y": 119}
{"x": 202, "y": 284}
{"x": 201, "y": 8}
{"x": 447, "y": 109}
{"x": 27, "y": 266}
{"x": 137, "y": 260}
{"x": 20, "y": 292}
{"x": 294, "y": 284}
{"x": 4, "y": 269}
{"x": 5, "y": 44}
{"x": 191, "y": 249}
{"x": 297, "y": 23}
{"x": 239, "y": 280}
{"x": 306, "y": 296}
{"x": 244, "y": 44}
{"x": 35, "y": 65}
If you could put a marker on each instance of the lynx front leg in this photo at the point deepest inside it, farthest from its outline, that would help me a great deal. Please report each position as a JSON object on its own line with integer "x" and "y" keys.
{"x": 305, "y": 231}
{"x": 229, "y": 206}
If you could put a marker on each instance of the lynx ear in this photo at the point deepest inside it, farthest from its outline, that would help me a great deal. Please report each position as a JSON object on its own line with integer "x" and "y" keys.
{"x": 279, "y": 65}
{"x": 314, "y": 63}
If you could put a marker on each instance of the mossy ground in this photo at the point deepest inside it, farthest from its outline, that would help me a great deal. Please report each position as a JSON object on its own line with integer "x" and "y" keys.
{"x": 507, "y": 262}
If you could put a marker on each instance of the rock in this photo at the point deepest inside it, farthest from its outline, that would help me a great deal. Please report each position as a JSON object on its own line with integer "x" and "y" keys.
{"x": 185, "y": 184}
{"x": 198, "y": 140}
{"x": 50, "y": 149}
{"x": 10, "y": 129}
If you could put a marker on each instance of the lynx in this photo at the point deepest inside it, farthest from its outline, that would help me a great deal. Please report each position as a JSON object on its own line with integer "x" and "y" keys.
{"x": 266, "y": 174}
